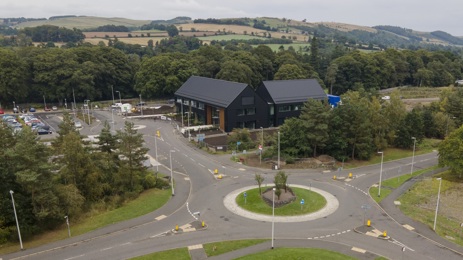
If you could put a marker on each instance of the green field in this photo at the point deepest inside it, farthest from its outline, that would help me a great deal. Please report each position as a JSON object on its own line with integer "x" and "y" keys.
{"x": 298, "y": 47}
{"x": 228, "y": 37}
{"x": 254, "y": 203}
{"x": 85, "y": 22}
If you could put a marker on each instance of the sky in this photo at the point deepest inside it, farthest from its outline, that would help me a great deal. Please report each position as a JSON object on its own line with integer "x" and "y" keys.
{"x": 418, "y": 15}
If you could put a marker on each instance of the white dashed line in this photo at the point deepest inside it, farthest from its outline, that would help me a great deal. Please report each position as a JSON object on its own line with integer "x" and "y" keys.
{"x": 104, "y": 249}
{"x": 201, "y": 165}
{"x": 74, "y": 257}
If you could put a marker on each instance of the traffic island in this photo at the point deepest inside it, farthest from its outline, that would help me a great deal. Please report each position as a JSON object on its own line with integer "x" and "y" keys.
{"x": 190, "y": 227}
{"x": 372, "y": 231}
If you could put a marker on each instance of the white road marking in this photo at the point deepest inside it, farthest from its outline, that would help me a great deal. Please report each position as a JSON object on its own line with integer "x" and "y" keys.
{"x": 195, "y": 247}
{"x": 192, "y": 159}
{"x": 161, "y": 217}
{"x": 401, "y": 244}
{"x": 223, "y": 167}
{"x": 104, "y": 249}
{"x": 128, "y": 243}
{"x": 74, "y": 257}
{"x": 356, "y": 249}
{"x": 201, "y": 165}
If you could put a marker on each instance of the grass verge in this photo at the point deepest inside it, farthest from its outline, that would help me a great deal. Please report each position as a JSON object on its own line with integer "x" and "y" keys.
{"x": 254, "y": 203}
{"x": 218, "y": 248}
{"x": 387, "y": 186}
{"x": 420, "y": 202}
{"x": 296, "y": 253}
{"x": 177, "y": 254}
{"x": 147, "y": 202}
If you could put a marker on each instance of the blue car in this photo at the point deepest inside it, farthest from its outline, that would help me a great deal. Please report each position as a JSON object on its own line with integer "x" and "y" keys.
{"x": 31, "y": 109}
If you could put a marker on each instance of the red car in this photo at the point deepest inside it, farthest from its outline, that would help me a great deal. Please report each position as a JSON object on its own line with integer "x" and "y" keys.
{"x": 2, "y": 111}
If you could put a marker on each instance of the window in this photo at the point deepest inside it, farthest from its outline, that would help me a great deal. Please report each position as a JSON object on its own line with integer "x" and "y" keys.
{"x": 296, "y": 107}
{"x": 284, "y": 109}
{"x": 186, "y": 102}
{"x": 179, "y": 100}
{"x": 272, "y": 110}
{"x": 201, "y": 105}
{"x": 193, "y": 103}
{"x": 246, "y": 111}
{"x": 247, "y": 101}
{"x": 250, "y": 111}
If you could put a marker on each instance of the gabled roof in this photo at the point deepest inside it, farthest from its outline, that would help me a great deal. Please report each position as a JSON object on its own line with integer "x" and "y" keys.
{"x": 294, "y": 91}
{"x": 216, "y": 92}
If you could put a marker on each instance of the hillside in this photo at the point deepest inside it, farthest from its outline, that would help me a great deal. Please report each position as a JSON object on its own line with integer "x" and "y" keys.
{"x": 382, "y": 35}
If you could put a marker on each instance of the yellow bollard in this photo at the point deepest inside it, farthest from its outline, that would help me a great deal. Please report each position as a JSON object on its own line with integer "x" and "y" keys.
{"x": 176, "y": 227}
{"x": 216, "y": 171}
{"x": 334, "y": 177}
{"x": 158, "y": 133}
{"x": 202, "y": 224}
{"x": 384, "y": 233}
{"x": 350, "y": 175}
{"x": 369, "y": 223}
{"x": 220, "y": 176}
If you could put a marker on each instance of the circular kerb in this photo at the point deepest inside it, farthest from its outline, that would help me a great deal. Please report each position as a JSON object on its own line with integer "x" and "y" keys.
{"x": 137, "y": 127}
{"x": 331, "y": 206}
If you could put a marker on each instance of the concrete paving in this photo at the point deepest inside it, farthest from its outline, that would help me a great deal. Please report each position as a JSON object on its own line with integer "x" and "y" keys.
{"x": 331, "y": 206}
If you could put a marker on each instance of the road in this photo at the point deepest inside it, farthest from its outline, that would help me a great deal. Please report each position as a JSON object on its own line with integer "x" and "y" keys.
{"x": 197, "y": 190}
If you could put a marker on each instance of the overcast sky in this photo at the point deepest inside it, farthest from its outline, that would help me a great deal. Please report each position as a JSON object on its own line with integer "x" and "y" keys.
{"x": 419, "y": 15}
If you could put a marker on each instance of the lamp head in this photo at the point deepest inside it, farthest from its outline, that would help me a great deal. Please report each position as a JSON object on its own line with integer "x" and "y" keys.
{"x": 11, "y": 192}
{"x": 439, "y": 179}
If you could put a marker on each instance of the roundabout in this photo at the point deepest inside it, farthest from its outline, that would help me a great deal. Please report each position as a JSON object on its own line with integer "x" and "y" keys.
{"x": 331, "y": 206}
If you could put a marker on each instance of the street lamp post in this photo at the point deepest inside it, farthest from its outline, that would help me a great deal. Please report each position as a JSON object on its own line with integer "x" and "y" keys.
{"x": 437, "y": 206}
{"x": 156, "y": 153}
{"x": 44, "y": 103}
{"x": 17, "y": 223}
{"x": 380, "y": 174}
{"x": 67, "y": 223}
{"x": 413, "y": 157}
{"x": 65, "y": 104}
{"x": 112, "y": 92}
{"x": 273, "y": 216}
{"x": 141, "y": 106}
{"x": 262, "y": 144}
{"x": 14, "y": 106}
{"x": 171, "y": 177}
{"x": 278, "y": 150}
{"x": 88, "y": 110}
{"x": 120, "y": 100}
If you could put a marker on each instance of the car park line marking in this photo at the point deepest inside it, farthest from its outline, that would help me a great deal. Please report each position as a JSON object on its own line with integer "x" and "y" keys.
{"x": 193, "y": 159}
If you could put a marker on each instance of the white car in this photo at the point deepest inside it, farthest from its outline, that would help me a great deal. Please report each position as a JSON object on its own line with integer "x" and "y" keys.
{"x": 77, "y": 124}
{"x": 386, "y": 98}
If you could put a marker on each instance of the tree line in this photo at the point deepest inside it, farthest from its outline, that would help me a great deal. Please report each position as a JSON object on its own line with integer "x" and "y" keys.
{"x": 160, "y": 68}
{"x": 70, "y": 177}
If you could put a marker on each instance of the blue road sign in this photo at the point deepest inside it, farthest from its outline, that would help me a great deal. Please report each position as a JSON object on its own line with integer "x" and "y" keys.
{"x": 302, "y": 201}
{"x": 245, "y": 194}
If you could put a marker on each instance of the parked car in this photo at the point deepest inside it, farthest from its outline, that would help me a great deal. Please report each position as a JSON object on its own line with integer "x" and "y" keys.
{"x": 47, "y": 109}
{"x": 141, "y": 104}
{"x": 77, "y": 124}
{"x": 2, "y": 111}
{"x": 32, "y": 109}
{"x": 15, "y": 110}
{"x": 43, "y": 131}
{"x": 54, "y": 108}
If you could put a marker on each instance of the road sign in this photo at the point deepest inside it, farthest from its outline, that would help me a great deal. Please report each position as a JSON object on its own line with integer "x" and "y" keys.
{"x": 366, "y": 206}
{"x": 260, "y": 147}
{"x": 201, "y": 137}
{"x": 302, "y": 201}
{"x": 238, "y": 143}
{"x": 245, "y": 194}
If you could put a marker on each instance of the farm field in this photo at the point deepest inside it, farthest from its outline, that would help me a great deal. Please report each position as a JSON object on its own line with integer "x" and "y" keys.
{"x": 229, "y": 37}
{"x": 298, "y": 47}
{"x": 85, "y": 22}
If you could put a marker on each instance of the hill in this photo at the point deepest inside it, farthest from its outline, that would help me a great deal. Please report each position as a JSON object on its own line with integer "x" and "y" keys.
{"x": 381, "y": 36}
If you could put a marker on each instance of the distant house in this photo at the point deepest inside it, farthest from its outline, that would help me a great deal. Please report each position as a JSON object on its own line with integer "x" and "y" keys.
{"x": 225, "y": 104}
{"x": 285, "y": 98}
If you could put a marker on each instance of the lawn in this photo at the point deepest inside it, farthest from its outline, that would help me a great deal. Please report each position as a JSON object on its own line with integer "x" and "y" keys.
{"x": 254, "y": 203}
{"x": 296, "y": 253}
{"x": 420, "y": 204}
{"x": 387, "y": 186}
{"x": 218, "y": 248}
{"x": 177, "y": 254}
{"x": 147, "y": 202}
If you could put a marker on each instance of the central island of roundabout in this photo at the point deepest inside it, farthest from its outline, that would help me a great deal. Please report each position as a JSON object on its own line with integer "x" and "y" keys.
{"x": 326, "y": 204}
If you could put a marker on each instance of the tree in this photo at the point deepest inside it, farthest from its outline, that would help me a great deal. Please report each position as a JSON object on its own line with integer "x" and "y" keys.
{"x": 293, "y": 139}
{"x": 315, "y": 115}
{"x": 132, "y": 154}
{"x": 236, "y": 72}
{"x": 259, "y": 179}
{"x": 243, "y": 137}
{"x": 410, "y": 126}
{"x": 450, "y": 151}
{"x": 172, "y": 30}
{"x": 314, "y": 54}
{"x": 290, "y": 71}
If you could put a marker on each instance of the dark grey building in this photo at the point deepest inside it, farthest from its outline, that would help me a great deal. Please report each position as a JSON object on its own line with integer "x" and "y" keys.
{"x": 285, "y": 98}
{"x": 222, "y": 103}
